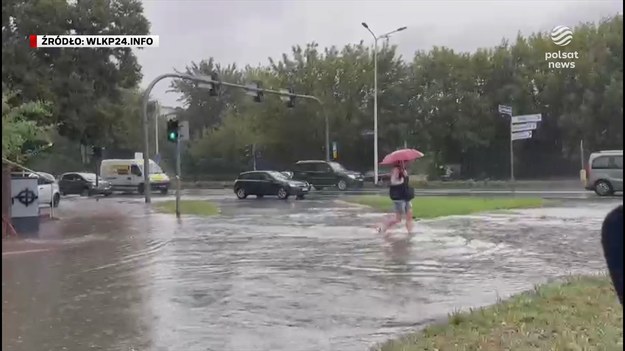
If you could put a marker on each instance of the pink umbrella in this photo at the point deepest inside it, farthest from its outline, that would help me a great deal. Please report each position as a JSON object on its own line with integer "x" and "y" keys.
{"x": 402, "y": 155}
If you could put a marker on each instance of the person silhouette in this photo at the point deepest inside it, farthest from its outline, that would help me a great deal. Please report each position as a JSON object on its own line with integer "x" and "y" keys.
{"x": 612, "y": 243}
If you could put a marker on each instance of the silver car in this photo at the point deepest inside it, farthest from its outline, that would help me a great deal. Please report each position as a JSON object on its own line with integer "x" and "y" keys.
{"x": 604, "y": 172}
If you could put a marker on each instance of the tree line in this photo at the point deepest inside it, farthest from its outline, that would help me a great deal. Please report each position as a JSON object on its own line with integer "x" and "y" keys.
{"x": 439, "y": 101}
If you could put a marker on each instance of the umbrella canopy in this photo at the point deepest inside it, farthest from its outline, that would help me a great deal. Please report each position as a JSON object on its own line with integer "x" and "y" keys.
{"x": 402, "y": 155}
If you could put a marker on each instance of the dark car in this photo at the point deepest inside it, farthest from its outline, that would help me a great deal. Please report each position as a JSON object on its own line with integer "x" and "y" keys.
{"x": 83, "y": 184}
{"x": 323, "y": 174}
{"x": 273, "y": 183}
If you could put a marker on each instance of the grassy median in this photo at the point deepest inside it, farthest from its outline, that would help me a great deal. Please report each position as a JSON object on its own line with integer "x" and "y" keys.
{"x": 437, "y": 206}
{"x": 188, "y": 207}
{"x": 582, "y": 313}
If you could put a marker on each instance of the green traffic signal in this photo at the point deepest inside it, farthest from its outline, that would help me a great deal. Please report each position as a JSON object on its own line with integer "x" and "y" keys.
{"x": 172, "y": 130}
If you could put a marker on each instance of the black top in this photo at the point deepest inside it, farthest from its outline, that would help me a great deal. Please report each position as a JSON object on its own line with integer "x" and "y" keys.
{"x": 612, "y": 242}
{"x": 400, "y": 192}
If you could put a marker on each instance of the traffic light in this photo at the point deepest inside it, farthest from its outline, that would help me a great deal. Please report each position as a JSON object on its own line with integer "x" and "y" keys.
{"x": 248, "y": 150}
{"x": 96, "y": 151}
{"x": 289, "y": 97}
{"x": 214, "y": 89}
{"x": 172, "y": 130}
{"x": 255, "y": 90}
{"x": 291, "y": 102}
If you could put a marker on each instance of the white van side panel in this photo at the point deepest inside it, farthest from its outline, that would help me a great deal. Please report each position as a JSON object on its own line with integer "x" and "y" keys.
{"x": 118, "y": 173}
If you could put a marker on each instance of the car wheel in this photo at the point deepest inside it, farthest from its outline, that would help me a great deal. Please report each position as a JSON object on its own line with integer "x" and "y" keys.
{"x": 260, "y": 196}
{"x": 56, "y": 200}
{"x": 342, "y": 185}
{"x": 164, "y": 191}
{"x": 85, "y": 192}
{"x": 140, "y": 189}
{"x": 300, "y": 197}
{"x": 283, "y": 194}
{"x": 241, "y": 193}
{"x": 603, "y": 188}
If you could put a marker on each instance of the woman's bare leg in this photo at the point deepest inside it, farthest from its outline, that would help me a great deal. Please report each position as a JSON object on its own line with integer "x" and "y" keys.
{"x": 390, "y": 223}
{"x": 409, "y": 222}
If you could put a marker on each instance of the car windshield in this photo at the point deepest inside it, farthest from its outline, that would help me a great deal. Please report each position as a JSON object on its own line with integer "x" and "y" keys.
{"x": 337, "y": 167}
{"x": 278, "y": 175}
{"x": 154, "y": 168}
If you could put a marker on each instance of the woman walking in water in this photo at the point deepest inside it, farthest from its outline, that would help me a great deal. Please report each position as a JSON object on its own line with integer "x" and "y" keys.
{"x": 401, "y": 193}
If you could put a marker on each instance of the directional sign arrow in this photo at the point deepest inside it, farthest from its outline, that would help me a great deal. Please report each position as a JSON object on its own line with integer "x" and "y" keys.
{"x": 523, "y": 127}
{"x": 527, "y": 118}
{"x": 522, "y": 135}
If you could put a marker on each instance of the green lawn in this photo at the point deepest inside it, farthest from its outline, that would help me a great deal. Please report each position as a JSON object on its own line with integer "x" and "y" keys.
{"x": 437, "y": 206}
{"x": 582, "y": 313}
{"x": 188, "y": 207}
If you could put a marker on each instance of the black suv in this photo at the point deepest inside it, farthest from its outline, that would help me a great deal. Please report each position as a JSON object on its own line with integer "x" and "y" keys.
{"x": 261, "y": 183}
{"x": 323, "y": 174}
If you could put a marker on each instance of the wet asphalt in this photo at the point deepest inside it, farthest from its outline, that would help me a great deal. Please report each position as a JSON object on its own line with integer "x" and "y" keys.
{"x": 272, "y": 275}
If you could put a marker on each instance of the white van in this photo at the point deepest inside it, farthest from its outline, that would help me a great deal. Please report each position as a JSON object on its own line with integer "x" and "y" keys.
{"x": 127, "y": 175}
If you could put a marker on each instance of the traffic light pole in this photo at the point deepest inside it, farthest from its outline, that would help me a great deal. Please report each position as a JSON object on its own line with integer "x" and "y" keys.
{"x": 208, "y": 80}
{"x": 178, "y": 176}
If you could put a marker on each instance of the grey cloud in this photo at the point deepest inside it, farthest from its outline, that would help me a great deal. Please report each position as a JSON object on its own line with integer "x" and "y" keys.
{"x": 248, "y": 32}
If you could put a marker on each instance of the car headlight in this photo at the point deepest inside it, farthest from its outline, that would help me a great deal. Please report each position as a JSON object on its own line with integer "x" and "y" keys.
{"x": 293, "y": 184}
{"x": 351, "y": 176}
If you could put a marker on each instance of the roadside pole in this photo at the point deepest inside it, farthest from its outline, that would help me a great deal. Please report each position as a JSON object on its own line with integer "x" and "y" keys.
{"x": 178, "y": 177}
{"x": 511, "y": 153}
{"x": 254, "y": 155}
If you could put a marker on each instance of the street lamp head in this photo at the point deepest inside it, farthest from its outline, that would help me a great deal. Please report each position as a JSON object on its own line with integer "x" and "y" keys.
{"x": 401, "y": 28}
{"x": 365, "y": 25}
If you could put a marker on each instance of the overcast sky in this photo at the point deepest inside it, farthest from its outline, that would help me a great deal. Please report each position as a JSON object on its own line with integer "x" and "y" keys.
{"x": 250, "y": 31}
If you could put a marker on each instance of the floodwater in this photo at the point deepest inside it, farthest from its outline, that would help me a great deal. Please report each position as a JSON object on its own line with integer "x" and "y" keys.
{"x": 272, "y": 275}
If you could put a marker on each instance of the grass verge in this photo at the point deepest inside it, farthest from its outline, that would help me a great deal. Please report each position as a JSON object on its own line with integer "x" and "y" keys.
{"x": 582, "y": 313}
{"x": 188, "y": 207}
{"x": 437, "y": 206}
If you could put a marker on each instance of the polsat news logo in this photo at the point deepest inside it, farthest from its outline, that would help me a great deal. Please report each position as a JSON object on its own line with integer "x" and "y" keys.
{"x": 561, "y": 36}
{"x": 93, "y": 41}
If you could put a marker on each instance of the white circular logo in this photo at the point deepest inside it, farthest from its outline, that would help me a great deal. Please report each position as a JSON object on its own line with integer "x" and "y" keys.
{"x": 561, "y": 35}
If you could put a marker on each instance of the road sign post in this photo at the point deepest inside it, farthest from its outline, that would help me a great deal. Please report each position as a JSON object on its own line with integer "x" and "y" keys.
{"x": 511, "y": 151}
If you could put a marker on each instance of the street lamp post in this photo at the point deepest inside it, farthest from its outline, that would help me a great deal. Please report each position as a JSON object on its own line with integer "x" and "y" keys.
{"x": 375, "y": 95}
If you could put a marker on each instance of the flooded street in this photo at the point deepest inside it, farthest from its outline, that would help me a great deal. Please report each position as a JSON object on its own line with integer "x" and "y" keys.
{"x": 272, "y": 275}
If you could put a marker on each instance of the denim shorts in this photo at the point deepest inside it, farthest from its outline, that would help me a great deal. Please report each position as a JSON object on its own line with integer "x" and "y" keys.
{"x": 402, "y": 206}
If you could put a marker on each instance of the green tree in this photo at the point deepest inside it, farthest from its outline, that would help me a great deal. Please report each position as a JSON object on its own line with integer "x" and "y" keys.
{"x": 18, "y": 126}
{"x": 81, "y": 85}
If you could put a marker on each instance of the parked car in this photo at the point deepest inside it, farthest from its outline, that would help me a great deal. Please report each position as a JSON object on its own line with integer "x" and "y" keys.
{"x": 604, "y": 172}
{"x": 323, "y": 174}
{"x": 83, "y": 184}
{"x": 48, "y": 188}
{"x": 272, "y": 183}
